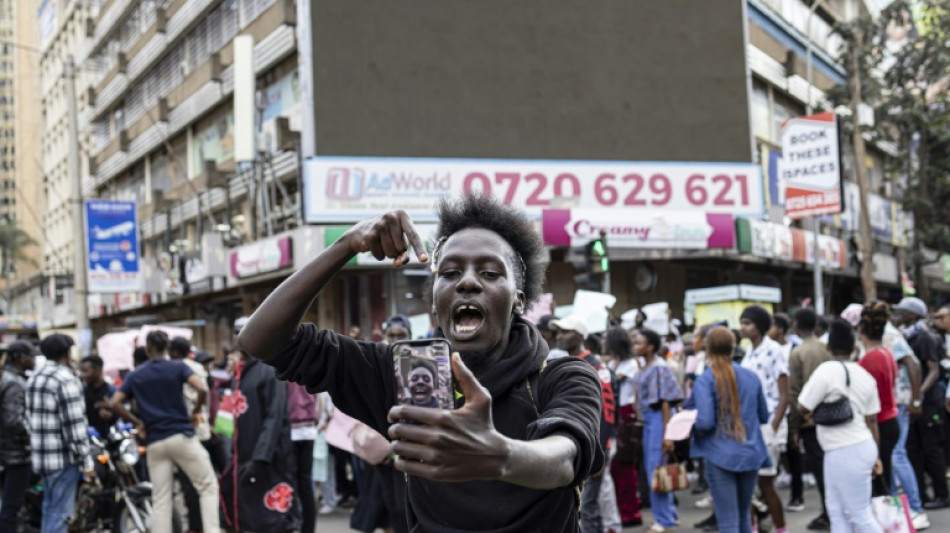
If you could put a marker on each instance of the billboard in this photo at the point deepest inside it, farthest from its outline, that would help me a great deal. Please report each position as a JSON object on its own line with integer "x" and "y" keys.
{"x": 810, "y": 168}
{"x": 112, "y": 246}
{"x": 606, "y": 80}
{"x": 338, "y": 189}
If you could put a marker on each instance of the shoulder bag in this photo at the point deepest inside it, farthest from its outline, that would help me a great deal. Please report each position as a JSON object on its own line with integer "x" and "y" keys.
{"x": 836, "y": 412}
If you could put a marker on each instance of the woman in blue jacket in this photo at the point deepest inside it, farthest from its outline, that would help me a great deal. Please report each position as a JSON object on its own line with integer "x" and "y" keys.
{"x": 731, "y": 407}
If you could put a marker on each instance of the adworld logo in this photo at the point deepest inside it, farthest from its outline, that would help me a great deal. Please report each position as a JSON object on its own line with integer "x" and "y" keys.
{"x": 355, "y": 183}
{"x": 344, "y": 183}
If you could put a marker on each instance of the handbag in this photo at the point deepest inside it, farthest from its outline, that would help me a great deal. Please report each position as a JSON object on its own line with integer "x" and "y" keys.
{"x": 670, "y": 477}
{"x": 893, "y": 514}
{"x": 836, "y": 412}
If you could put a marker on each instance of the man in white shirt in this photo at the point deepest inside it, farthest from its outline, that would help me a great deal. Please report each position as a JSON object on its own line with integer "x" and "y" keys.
{"x": 765, "y": 358}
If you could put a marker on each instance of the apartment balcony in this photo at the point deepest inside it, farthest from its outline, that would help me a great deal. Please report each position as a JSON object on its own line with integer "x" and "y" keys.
{"x": 205, "y": 88}
{"x": 109, "y": 16}
{"x": 284, "y": 166}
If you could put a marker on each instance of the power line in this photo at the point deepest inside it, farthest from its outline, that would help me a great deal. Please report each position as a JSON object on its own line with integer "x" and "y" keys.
{"x": 22, "y": 47}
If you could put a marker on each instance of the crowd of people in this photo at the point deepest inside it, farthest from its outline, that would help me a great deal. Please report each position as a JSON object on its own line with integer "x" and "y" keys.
{"x": 858, "y": 403}
{"x": 554, "y": 428}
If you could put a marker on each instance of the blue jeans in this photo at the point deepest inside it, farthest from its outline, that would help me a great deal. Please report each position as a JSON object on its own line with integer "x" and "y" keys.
{"x": 661, "y": 504}
{"x": 59, "y": 498}
{"x": 901, "y": 469}
{"x": 590, "y": 505}
{"x": 732, "y": 497}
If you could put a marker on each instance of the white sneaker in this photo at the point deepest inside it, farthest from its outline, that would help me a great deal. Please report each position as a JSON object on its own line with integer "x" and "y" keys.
{"x": 326, "y": 509}
{"x": 783, "y": 481}
{"x": 809, "y": 480}
{"x": 704, "y": 502}
{"x": 920, "y": 521}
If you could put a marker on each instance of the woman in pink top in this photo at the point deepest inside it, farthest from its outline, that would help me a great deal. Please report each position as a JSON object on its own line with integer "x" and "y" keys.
{"x": 880, "y": 363}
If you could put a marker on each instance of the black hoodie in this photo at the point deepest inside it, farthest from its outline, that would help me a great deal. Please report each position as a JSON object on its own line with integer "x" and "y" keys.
{"x": 359, "y": 377}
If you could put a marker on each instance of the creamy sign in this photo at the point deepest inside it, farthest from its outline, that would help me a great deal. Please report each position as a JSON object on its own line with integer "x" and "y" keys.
{"x": 261, "y": 257}
{"x": 638, "y": 229}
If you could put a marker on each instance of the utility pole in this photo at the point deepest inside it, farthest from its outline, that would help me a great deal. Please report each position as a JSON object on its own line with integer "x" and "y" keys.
{"x": 83, "y": 332}
{"x": 865, "y": 243}
{"x": 818, "y": 280}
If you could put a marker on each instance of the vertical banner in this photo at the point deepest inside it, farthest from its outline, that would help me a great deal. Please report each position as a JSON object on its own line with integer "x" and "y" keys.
{"x": 810, "y": 168}
{"x": 245, "y": 107}
{"x": 113, "y": 247}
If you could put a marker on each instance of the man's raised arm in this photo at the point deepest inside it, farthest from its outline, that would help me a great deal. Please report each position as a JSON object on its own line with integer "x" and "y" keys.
{"x": 273, "y": 325}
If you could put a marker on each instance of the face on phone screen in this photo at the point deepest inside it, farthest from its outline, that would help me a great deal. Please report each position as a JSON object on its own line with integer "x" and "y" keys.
{"x": 423, "y": 373}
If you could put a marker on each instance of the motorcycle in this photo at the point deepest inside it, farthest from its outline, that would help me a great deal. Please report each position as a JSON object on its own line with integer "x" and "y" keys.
{"x": 110, "y": 495}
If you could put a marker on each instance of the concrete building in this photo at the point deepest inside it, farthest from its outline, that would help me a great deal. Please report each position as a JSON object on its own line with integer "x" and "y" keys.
{"x": 21, "y": 176}
{"x": 162, "y": 127}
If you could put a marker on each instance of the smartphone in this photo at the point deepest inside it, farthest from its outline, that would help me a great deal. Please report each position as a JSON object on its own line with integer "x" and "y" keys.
{"x": 423, "y": 373}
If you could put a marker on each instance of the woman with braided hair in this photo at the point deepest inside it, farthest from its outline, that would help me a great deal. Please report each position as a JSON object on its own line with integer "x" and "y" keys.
{"x": 880, "y": 363}
{"x": 731, "y": 408}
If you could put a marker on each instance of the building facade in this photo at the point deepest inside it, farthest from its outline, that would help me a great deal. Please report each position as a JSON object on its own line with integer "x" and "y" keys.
{"x": 633, "y": 82}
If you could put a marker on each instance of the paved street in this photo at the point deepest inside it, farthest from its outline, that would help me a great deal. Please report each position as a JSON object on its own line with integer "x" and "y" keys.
{"x": 338, "y": 522}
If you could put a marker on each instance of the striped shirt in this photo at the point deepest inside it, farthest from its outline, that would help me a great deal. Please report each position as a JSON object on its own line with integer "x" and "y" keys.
{"x": 57, "y": 412}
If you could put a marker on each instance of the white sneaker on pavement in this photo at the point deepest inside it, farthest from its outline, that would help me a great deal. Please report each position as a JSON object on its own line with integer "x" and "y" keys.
{"x": 704, "y": 502}
{"x": 920, "y": 521}
{"x": 326, "y": 509}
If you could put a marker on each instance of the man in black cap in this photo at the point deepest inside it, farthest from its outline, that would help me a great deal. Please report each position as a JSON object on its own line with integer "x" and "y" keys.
{"x": 766, "y": 359}
{"x": 925, "y": 439}
{"x": 57, "y": 411}
{"x": 15, "y": 434}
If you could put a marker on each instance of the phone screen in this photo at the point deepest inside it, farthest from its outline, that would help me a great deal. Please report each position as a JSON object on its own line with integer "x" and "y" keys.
{"x": 423, "y": 373}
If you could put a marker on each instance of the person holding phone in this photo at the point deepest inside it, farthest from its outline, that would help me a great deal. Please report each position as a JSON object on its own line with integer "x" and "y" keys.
{"x": 525, "y": 435}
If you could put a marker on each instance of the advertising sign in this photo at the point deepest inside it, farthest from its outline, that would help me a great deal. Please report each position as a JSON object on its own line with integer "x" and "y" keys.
{"x": 764, "y": 239}
{"x": 649, "y": 228}
{"x": 261, "y": 257}
{"x": 810, "y": 168}
{"x": 353, "y": 188}
{"x": 113, "y": 248}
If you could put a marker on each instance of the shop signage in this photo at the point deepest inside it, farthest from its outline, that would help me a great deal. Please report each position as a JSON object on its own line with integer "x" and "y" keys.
{"x": 170, "y": 265}
{"x": 648, "y": 228}
{"x": 810, "y": 168}
{"x": 885, "y": 268}
{"x": 426, "y": 232}
{"x": 261, "y": 257}
{"x": 834, "y": 253}
{"x": 353, "y": 188}
{"x": 112, "y": 246}
{"x": 764, "y": 239}
{"x": 775, "y": 241}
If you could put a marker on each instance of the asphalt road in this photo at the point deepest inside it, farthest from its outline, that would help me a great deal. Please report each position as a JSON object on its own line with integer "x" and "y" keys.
{"x": 338, "y": 522}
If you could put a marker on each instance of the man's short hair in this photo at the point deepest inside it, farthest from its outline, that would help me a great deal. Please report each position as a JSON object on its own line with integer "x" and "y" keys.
{"x": 806, "y": 318}
{"x": 780, "y": 320}
{"x": 179, "y": 345}
{"x": 139, "y": 355}
{"x": 529, "y": 262}
{"x": 93, "y": 360}
{"x": 157, "y": 339}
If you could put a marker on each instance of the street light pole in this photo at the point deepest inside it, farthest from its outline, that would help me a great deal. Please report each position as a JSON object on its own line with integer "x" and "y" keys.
{"x": 83, "y": 332}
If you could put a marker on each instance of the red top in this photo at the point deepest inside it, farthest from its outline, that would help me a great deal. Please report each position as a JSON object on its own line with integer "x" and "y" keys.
{"x": 880, "y": 363}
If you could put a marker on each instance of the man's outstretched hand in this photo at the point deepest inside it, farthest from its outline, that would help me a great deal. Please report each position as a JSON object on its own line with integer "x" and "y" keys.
{"x": 459, "y": 445}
